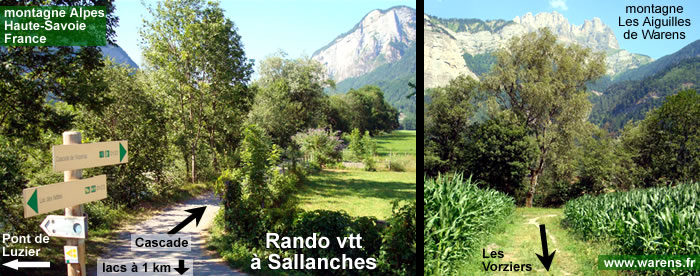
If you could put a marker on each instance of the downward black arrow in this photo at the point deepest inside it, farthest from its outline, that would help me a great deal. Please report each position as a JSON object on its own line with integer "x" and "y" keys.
{"x": 547, "y": 259}
{"x": 196, "y": 214}
{"x": 181, "y": 268}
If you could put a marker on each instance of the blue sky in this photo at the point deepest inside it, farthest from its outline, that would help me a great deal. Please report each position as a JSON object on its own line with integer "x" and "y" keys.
{"x": 576, "y": 11}
{"x": 297, "y": 27}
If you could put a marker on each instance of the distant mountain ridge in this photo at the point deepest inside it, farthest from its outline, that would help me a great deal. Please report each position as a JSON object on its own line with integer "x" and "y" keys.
{"x": 381, "y": 37}
{"x": 118, "y": 55}
{"x": 449, "y": 41}
{"x": 689, "y": 51}
{"x": 379, "y": 50}
{"x": 633, "y": 93}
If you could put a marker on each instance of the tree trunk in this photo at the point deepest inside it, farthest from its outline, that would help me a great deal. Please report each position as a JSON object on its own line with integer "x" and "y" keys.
{"x": 531, "y": 192}
{"x": 194, "y": 172}
{"x": 215, "y": 162}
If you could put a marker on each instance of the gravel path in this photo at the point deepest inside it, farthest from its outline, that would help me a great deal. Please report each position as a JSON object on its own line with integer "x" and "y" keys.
{"x": 206, "y": 262}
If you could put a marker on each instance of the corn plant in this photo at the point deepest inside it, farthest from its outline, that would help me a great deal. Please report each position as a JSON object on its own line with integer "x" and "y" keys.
{"x": 457, "y": 216}
{"x": 656, "y": 221}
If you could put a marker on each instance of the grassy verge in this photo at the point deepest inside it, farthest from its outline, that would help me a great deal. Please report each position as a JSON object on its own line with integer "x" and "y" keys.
{"x": 112, "y": 220}
{"x": 359, "y": 193}
{"x": 520, "y": 240}
{"x": 398, "y": 142}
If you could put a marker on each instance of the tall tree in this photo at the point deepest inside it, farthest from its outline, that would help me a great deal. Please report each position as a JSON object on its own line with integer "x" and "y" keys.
{"x": 543, "y": 82}
{"x": 135, "y": 116}
{"x": 193, "y": 48}
{"x": 667, "y": 147}
{"x": 34, "y": 77}
{"x": 370, "y": 112}
{"x": 290, "y": 97}
{"x": 446, "y": 122}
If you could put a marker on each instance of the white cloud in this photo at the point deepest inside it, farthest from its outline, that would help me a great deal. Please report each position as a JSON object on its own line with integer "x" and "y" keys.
{"x": 558, "y": 4}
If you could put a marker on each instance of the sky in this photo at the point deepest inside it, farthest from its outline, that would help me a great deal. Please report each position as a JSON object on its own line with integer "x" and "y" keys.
{"x": 296, "y": 27}
{"x": 576, "y": 11}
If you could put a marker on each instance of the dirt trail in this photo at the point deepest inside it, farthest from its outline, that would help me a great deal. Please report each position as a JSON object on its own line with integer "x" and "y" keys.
{"x": 206, "y": 262}
{"x": 553, "y": 245}
{"x": 520, "y": 242}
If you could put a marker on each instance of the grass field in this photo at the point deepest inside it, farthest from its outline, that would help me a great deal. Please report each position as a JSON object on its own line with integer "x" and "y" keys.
{"x": 398, "y": 142}
{"x": 357, "y": 192}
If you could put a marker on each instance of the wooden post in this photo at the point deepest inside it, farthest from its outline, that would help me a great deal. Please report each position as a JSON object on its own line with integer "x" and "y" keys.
{"x": 74, "y": 137}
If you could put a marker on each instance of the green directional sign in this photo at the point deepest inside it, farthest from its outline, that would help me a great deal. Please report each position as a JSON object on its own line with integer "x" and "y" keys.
{"x": 83, "y": 156}
{"x": 44, "y": 199}
{"x": 33, "y": 203}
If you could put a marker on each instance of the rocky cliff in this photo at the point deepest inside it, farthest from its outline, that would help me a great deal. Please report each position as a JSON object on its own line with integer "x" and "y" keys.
{"x": 381, "y": 37}
{"x": 447, "y": 40}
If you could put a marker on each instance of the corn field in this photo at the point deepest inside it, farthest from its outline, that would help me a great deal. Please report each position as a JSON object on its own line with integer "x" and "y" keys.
{"x": 457, "y": 216}
{"x": 656, "y": 221}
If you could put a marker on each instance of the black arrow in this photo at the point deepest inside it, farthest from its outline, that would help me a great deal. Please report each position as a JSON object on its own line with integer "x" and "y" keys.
{"x": 196, "y": 214}
{"x": 547, "y": 260}
{"x": 181, "y": 267}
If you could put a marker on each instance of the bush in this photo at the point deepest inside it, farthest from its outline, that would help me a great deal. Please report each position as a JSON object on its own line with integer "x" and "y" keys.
{"x": 395, "y": 164}
{"x": 320, "y": 146}
{"x": 332, "y": 224}
{"x": 360, "y": 146}
{"x": 258, "y": 198}
{"x": 398, "y": 251}
{"x": 11, "y": 181}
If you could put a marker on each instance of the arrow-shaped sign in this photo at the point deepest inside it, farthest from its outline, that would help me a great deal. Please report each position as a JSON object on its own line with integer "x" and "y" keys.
{"x": 196, "y": 214}
{"x": 181, "y": 267}
{"x": 83, "y": 156}
{"x": 47, "y": 198}
{"x": 547, "y": 259}
{"x": 16, "y": 264}
{"x": 64, "y": 227}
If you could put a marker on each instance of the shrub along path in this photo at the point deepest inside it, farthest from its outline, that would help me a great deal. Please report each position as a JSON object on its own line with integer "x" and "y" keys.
{"x": 521, "y": 240}
{"x": 205, "y": 262}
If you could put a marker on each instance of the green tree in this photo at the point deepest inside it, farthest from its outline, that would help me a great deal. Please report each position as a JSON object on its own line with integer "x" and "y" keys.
{"x": 12, "y": 181}
{"x": 498, "y": 152}
{"x": 198, "y": 55}
{"x": 668, "y": 144}
{"x": 338, "y": 113}
{"x": 598, "y": 163}
{"x": 446, "y": 122}
{"x": 35, "y": 77}
{"x": 543, "y": 82}
{"x": 290, "y": 97}
{"x": 135, "y": 116}
{"x": 370, "y": 112}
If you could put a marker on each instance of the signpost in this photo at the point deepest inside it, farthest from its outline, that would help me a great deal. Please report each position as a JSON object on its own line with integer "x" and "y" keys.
{"x": 65, "y": 227}
{"x": 82, "y": 156}
{"x": 75, "y": 269}
{"x": 71, "y": 158}
{"x": 44, "y": 199}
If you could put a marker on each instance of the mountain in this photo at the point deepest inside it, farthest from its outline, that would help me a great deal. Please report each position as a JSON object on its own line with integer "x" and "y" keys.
{"x": 118, "y": 55}
{"x": 450, "y": 44}
{"x": 393, "y": 79}
{"x": 381, "y": 37}
{"x": 689, "y": 51}
{"x": 632, "y": 99}
{"x": 379, "y": 50}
